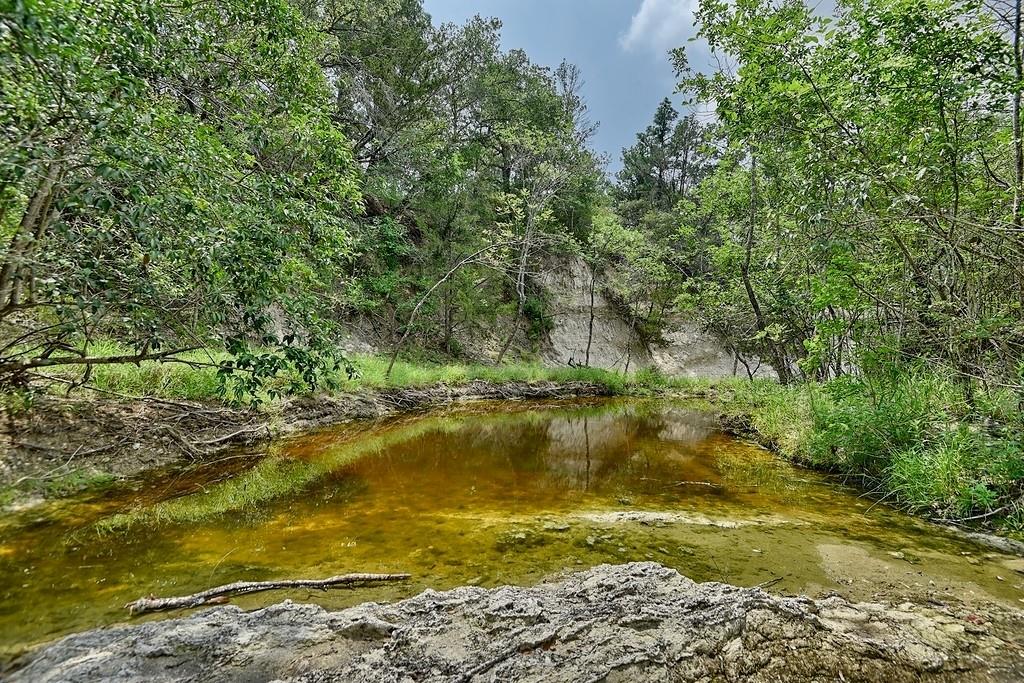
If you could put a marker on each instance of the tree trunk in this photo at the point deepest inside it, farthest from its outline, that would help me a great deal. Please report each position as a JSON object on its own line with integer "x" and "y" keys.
{"x": 419, "y": 304}
{"x": 447, "y": 318}
{"x": 33, "y": 222}
{"x": 778, "y": 357}
{"x": 590, "y": 324}
{"x": 1018, "y": 142}
{"x": 629, "y": 351}
{"x": 524, "y": 259}
{"x": 512, "y": 334}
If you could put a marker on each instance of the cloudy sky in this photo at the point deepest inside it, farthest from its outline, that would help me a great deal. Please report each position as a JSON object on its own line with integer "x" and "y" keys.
{"x": 621, "y": 46}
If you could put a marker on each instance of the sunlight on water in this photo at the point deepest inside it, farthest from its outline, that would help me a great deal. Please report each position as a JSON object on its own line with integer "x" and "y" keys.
{"x": 486, "y": 495}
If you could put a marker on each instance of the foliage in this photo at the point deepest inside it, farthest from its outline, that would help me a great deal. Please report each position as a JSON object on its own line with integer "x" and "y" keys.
{"x": 865, "y": 198}
{"x": 910, "y": 438}
{"x": 254, "y": 175}
{"x": 671, "y": 156}
{"x": 195, "y": 377}
{"x": 475, "y": 163}
{"x": 170, "y": 174}
{"x": 636, "y": 272}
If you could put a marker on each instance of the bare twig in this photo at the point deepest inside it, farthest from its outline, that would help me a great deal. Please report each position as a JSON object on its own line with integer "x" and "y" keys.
{"x": 229, "y": 437}
{"x": 695, "y": 483}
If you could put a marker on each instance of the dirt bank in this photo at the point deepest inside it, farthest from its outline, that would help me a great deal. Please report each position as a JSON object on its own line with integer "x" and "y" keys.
{"x": 58, "y": 445}
{"x": 634, "y": 622}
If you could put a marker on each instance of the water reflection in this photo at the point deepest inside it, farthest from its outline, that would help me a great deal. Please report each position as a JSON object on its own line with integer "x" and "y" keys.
{"x": 483, "y": 495}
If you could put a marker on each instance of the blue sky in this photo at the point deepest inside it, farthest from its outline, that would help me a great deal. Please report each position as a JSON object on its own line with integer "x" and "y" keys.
{"x": 620, "y": 45}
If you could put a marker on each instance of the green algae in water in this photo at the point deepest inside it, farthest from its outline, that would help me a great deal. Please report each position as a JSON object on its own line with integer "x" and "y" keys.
{"x": 482, "y": 495}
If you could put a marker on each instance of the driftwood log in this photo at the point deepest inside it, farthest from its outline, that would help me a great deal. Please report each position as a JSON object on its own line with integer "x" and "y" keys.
{"x": 220, "y": 593}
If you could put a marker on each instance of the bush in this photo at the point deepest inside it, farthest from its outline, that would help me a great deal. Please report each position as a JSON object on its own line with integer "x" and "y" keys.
{"x": 918, "y": 438}
{"x": 861, "y": 424}
{"x": 910, "y": 435}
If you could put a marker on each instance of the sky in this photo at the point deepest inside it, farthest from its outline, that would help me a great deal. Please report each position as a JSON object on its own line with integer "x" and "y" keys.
{"x": 621, "y": 46}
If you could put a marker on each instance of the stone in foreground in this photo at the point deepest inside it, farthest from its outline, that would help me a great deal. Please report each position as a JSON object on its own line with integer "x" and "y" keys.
{"x": 634, "y": 622}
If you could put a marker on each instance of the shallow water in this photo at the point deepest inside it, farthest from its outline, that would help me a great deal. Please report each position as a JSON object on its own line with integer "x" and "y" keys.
{"x": 486, "y": 494}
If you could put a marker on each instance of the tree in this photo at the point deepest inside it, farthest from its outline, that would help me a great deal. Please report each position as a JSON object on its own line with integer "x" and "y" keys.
{"x": 169, "y": 176}
{"x": 669, "y": 159}
{"x": 873, "y": 152}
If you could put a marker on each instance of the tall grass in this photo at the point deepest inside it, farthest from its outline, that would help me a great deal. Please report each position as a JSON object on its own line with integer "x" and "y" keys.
{"x": 781, "y": 416}
{"x": 917, "y": 438}
{"x": 373, "y": 374}
{"x": 194, "y": 379}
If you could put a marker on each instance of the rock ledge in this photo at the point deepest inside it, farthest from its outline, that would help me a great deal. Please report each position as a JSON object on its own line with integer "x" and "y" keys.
{"x": 633, "y": 622}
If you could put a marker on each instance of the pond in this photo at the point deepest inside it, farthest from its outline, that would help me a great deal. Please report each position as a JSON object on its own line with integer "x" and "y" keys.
{"x": 484, "y": 494}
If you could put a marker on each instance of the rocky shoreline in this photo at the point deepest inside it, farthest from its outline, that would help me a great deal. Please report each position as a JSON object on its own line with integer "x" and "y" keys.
{"x": 632, "y": 622}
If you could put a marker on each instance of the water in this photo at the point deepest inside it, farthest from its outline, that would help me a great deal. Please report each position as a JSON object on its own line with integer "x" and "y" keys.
{"x": 487, "y": 495}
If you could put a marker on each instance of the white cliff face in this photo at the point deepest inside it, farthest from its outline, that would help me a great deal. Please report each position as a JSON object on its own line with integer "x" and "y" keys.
{"x": 687, "y": 351}
{"x": 612, "y": 343}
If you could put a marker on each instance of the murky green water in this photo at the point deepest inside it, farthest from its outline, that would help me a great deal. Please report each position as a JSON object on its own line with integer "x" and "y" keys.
{"x": 486, "y": 495}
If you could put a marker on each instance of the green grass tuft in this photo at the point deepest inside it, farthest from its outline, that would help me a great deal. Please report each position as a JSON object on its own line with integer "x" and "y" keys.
{"x": 913, "y": 437}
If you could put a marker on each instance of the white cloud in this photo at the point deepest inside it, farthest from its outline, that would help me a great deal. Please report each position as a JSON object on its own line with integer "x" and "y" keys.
{"x": 660, "y": 25}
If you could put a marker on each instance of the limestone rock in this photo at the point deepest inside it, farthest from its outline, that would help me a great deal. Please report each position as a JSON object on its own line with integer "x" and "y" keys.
{"x": 632, "y": 622}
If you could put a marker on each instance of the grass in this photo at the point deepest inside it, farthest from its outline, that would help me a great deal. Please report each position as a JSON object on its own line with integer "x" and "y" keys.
{"x": 780, "y": 416}
{"x": 76, "y": 482}
{"x": 196, "y": 378}
{"x": 914, "y": 438}
{"x": 373, "y": 374}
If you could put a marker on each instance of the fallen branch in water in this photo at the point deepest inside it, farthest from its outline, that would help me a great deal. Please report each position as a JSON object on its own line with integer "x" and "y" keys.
{"x": 695, "y": 483}
{"x": 974, "y": 518}
{"x": 769, "y": 582}
{"x": 220, "y": 593}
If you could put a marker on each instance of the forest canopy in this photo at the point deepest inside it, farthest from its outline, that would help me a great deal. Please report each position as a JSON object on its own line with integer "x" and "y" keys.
{"x": 176, "y": 175}
{"x": 255, "y": 176}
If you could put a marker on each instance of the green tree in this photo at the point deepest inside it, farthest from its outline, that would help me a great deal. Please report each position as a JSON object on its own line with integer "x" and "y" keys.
{"x": 170, "y": 177}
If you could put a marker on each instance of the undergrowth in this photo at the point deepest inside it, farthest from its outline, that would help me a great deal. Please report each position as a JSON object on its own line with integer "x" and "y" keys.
{"x": 195, "y": 376}
{"x": 914, "y": 438}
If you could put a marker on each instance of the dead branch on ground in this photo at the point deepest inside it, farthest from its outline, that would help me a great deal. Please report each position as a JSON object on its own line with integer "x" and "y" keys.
{"x": 220, "y": 593}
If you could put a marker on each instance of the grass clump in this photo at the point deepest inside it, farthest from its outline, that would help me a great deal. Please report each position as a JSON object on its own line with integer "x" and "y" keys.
{"x": 194, "y": 378}
{"x": 373, "y": 374}
{"x": 781, "y": 416}
{"x": 76, "y": 482}
{"x": 916, "y": 438}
